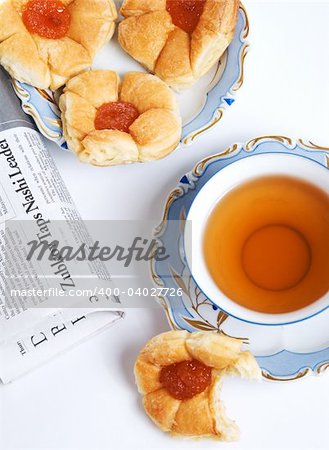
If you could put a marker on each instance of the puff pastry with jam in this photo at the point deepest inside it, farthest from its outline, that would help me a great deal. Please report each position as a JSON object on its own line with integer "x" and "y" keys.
{"x": 46, "y": 42}
{"x": 178, "y": 40}
{"x": 180, "y": 376}
{"x": 107, "y": 122}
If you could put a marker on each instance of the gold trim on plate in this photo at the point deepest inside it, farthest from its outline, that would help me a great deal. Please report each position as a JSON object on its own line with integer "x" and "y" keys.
{"x": 240, "y": 80}
{"x": 31, "y": 111}
{"x": 243, "y": 53}
{"x": 47, "y": 96}
{"x": 323, "y": 367}
{"x": 247, "y": 26}
{"x": 282, "y": 139}
{"x": 297, "y": 376}
{"x": 191, "y": 138}
{"x": 19, "y": 90}
{"x": 200, "y": 167}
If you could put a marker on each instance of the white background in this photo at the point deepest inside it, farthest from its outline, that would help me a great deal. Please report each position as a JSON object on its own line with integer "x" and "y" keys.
{"x": 86, "y": 399}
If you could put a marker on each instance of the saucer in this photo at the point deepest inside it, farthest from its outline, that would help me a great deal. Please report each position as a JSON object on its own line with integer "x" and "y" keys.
{"x": 285, "y": 352}
{"x": 202, "y": 106}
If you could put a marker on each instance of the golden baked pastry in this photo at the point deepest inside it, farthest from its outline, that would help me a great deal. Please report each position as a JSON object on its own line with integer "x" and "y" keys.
{"x": 178, "y": 40}
{"x": 46, "y": 42}
{"x": 180, "y": 374}
{"x": 107, "y": 123}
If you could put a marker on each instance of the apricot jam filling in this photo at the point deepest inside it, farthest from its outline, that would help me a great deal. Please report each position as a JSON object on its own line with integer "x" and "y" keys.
{"x": 47, "y": 18}
{"x": 116, "y": 116}
{"x": 186, "y": 379}
{"x": 186, "y": 14}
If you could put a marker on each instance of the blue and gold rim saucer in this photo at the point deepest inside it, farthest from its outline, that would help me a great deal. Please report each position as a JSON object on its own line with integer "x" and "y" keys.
{"x": 285, "y": 352}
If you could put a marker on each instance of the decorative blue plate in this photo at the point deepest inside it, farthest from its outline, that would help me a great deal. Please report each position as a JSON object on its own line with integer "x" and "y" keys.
{"x": 201, "y": 106}
{"x": 283, "y": 352}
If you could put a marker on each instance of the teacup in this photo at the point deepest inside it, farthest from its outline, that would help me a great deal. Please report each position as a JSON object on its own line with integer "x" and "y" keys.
{"x": 237, "y": 174}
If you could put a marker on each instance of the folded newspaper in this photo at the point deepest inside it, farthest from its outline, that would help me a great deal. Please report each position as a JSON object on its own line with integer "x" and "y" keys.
{"x": 33, "y": 201}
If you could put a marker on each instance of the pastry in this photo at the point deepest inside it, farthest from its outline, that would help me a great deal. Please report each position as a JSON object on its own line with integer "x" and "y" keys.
{"x": 178, "y": 40}
{"x": 180, "y": 376}
{"x": 46, "y": 42}
{"x": 107, "y": 123}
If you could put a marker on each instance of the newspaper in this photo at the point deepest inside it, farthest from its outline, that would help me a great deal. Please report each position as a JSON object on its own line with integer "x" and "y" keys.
{"x": 33, "y": 197}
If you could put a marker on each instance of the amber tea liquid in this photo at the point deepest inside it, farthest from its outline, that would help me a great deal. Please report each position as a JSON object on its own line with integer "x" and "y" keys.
{"x": 266, "y": 244}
